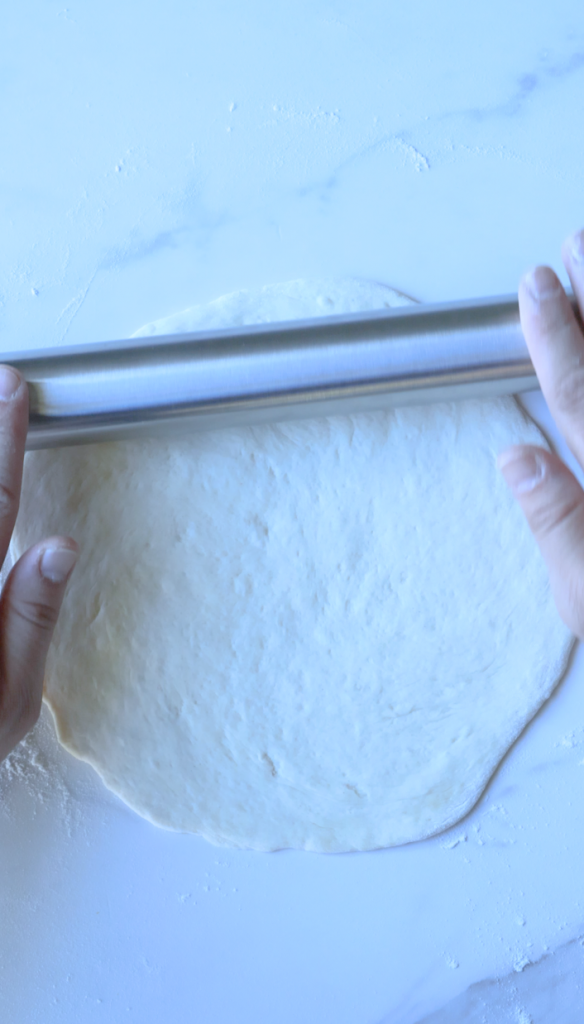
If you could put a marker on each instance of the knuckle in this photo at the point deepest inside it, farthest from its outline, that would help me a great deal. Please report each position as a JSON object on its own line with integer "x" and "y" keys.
{"x": 8, "y": 501}
{"x": 549, "y": 516}
{"x": 38, "y": 614}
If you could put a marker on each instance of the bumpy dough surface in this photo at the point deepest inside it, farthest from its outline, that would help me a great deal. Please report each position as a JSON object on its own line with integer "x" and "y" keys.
{"x": 322, "y": 635}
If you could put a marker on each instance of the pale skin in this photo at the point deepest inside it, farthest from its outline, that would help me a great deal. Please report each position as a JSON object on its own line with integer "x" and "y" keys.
{"x": 549, "y": 494}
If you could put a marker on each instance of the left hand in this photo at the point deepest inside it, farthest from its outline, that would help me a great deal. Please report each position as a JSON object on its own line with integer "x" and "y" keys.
{"x": 35, "y": 588}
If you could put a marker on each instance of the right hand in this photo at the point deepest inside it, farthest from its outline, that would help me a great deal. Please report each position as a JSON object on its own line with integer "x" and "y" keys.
{"x": 548, "y": 492}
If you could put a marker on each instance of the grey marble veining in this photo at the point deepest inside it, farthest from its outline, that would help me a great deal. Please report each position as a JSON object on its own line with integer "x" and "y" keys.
{"x": 548, "y": 992}
{"x": 157, "y": 156}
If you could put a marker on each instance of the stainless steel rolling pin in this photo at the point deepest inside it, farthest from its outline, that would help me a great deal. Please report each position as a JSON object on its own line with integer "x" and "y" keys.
{"x": 152, "y": 386}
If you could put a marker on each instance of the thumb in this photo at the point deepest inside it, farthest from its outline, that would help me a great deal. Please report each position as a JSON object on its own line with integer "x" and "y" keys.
{"x": 29, "y": 606}
{"x": 553, "y": 504}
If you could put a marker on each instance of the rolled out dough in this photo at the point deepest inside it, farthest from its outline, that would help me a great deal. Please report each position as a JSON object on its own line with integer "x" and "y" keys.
{"x": 322, "y": 634}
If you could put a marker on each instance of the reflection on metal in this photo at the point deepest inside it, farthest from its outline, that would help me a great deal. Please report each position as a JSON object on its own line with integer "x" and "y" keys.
{"x": 310, "y": 368}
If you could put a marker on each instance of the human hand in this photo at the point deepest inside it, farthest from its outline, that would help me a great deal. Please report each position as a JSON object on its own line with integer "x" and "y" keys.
{"x": 34, "y": 590}
{"x": 548, "y": 492}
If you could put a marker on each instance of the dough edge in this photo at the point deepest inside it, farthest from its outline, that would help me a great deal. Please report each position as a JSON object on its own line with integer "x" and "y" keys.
{"x": 455, "y": 815}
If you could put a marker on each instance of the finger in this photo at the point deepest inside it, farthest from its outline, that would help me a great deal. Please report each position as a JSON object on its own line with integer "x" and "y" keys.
{"x": 13, "y": 429}
{"x": 553, "y": 503}
{"x": 573, "y": 257}
{"x": 29, "y": 607}
{"x": 556, "y": 347}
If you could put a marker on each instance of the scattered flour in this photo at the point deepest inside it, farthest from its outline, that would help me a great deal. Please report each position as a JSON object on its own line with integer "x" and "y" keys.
{"x": 34, "y": 774}
{"x": 549, "y": 991}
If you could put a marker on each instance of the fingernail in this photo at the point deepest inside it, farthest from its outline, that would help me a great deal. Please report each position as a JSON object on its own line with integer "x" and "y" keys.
{"x": 576, "y": 246}
{"x": 521, "y": 472}
{"x": 542, "y": 284}
{"x": 57, "y": 563}
{"x": 9, "y": 383}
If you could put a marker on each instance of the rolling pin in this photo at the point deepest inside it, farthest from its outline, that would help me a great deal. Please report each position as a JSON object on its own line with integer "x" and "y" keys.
{"x": 326, "y": 366}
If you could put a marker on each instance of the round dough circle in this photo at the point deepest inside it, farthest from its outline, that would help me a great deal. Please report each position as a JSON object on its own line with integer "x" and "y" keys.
{"x": 323, "y": 634}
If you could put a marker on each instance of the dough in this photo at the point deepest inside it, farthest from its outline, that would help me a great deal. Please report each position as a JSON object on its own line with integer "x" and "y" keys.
{"x": 322, "y": 634}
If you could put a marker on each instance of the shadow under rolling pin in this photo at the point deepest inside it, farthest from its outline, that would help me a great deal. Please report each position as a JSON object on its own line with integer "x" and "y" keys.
{"x": 165, "y": 385}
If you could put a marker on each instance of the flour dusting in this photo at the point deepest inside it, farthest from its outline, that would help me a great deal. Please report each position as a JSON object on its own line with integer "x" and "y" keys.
{"x": 34, "y": 773}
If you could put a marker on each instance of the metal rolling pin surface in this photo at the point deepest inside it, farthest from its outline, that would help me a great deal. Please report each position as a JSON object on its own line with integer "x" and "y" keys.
{"x": 165, "y": 385}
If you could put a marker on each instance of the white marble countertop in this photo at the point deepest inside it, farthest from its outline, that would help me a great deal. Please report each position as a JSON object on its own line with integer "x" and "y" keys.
{"x": 156, "y": 155}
